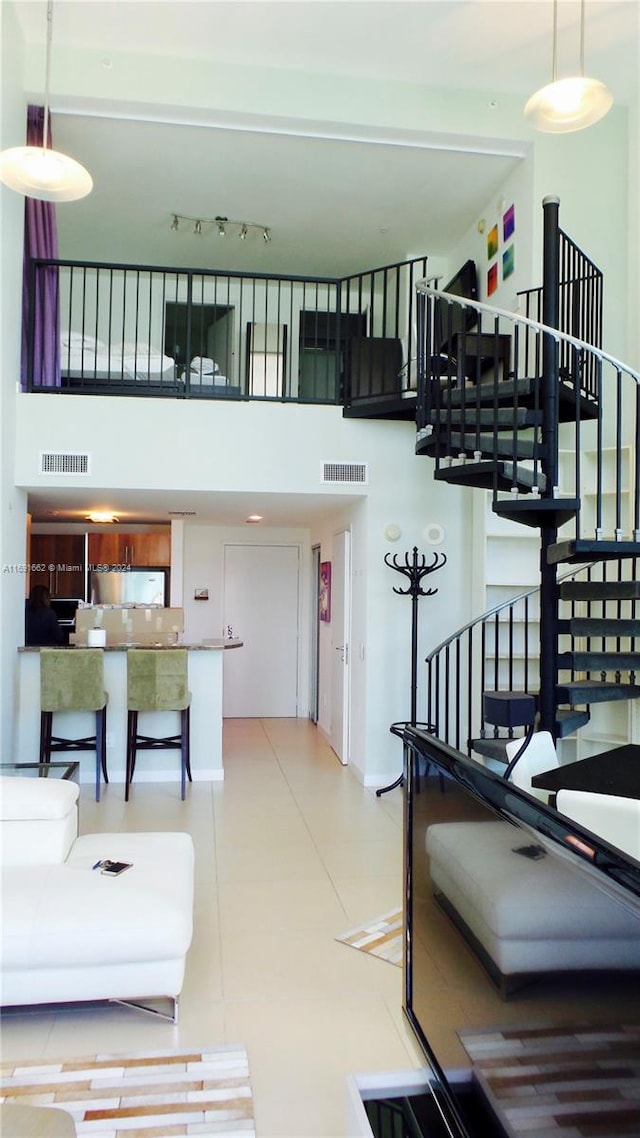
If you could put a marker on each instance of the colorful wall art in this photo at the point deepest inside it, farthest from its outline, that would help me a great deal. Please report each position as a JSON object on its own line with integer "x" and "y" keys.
{"x": 492, "y": 279}
{"x": 324, "y": 593}
{"x": 492, "y": 242}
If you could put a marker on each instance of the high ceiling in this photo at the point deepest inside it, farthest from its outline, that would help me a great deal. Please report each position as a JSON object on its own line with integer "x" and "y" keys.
{"x": 348, "y": 199}
{"x": 337, "y": 201}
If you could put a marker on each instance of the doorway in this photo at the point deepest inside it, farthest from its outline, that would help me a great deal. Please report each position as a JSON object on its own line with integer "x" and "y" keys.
{"x": 340, "y": 644}
{"x": 261, "y": 607}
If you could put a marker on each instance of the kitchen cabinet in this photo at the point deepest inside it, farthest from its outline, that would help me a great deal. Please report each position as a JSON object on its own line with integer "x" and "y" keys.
{"x": 144, "y": 549}
{"x": 58, "y": 562}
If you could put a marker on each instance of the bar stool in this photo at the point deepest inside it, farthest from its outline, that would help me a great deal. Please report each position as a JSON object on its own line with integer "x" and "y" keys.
{"x": 73, "y": 680}
{"x": 157, "y": 681}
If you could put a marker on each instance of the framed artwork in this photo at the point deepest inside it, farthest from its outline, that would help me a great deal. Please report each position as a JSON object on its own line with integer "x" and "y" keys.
{"x": 324, "y": 595}
{"x": 492, "y": 242}
{"x": 508, "y": 223}
{"x": 492, "y": 280}
{"x": 508, "y": 262}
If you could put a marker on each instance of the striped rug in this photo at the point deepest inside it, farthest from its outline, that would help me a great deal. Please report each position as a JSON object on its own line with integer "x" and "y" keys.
{"x": 560, "y": 1082}
{"x": 130, "y": 1096}
{"x": 381, "y": 937}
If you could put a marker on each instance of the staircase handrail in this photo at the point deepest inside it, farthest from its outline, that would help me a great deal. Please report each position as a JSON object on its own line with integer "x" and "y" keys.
{"x": 424, "y": 287}
{"x": 485, "y": 616}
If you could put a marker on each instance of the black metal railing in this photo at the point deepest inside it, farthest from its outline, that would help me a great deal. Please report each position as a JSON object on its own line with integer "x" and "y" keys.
{"x": 580, "y": 309}
{"x": 483, "y": 403}
{"x": 500, "y": 651}
{"x": 148, "y": 330}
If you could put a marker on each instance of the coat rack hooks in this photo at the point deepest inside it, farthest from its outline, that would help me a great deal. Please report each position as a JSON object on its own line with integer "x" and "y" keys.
{"x": 414, "y": 568}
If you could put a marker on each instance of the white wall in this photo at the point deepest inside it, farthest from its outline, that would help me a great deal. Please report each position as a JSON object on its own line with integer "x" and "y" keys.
{"x": 13, "y": 501}
{"x": 280, "y": 448}
{"x": 517, "y": 191}
{"x": 140, "y": 443}
{"x": 203, "y": 567}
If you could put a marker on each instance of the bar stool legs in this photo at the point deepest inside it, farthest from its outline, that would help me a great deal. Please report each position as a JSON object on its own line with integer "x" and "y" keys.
{"x": 136, "y": 742}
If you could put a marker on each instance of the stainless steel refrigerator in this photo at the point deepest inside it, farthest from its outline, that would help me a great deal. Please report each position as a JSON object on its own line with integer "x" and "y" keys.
{"x": 130, "y": 586}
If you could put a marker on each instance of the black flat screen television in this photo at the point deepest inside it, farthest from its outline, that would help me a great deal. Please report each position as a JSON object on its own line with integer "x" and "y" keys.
{"x": 449, "y": 319}
{"x": 522, "y": 952}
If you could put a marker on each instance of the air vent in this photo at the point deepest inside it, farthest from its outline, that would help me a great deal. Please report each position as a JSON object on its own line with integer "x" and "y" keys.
{"x": 345, "y": 472}
{"x": 182, "y": 513}
{"x": 60, "y": 462}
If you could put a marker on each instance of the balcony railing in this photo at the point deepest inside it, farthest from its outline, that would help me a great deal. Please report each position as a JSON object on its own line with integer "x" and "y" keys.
{"x": 96, "y": 328}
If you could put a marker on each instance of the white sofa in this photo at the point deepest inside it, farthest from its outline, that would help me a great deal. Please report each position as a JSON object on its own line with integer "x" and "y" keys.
{"x": 526, "y": 917}
{"x": 68, "y": 932}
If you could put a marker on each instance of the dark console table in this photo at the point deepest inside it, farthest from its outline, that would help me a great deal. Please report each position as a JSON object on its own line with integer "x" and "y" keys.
{"x": 611, "y": 772}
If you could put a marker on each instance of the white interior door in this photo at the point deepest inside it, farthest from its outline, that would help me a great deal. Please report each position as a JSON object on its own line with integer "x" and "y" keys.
{"x": 261, "y": 585}
{"x": 340, "y": 643}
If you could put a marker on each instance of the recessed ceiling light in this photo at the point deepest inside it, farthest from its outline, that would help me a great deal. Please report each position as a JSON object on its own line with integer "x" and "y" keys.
{"x": 253, "y": 518}
{"x": 102, "y": 517}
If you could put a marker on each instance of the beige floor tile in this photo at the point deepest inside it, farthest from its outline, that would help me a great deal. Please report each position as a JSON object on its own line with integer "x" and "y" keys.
{"x": 300, "y": 903}
{"x": 364, "y": 858}
{"x": 307, "y": 1047}
{"x": 263, "y": 861}
{"x": 290, "y": 852}
{"x": 292, "y": 964}
{"x": 367, "y": 897}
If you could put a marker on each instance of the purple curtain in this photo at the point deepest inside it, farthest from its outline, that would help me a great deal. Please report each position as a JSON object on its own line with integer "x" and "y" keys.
{"x": 40, "y": 311}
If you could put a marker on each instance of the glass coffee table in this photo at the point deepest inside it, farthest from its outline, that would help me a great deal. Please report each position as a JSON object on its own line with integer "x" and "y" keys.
{"x": 68, "y": 771}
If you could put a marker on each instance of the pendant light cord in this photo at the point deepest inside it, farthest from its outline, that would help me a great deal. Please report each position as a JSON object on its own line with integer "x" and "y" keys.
{"x": 554, "y": 49}
{"x": 47, "y": 77}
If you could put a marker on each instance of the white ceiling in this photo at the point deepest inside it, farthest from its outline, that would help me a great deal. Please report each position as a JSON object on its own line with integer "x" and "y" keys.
{"x": 335, "y": 205}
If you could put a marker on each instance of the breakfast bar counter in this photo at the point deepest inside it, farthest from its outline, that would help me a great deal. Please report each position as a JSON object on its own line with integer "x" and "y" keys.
{"x": 205, "y": 685}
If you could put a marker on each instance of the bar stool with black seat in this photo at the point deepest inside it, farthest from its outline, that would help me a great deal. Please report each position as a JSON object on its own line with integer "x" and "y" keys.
{"x": 157, "y": 680}
{"x": 73, "y": 680}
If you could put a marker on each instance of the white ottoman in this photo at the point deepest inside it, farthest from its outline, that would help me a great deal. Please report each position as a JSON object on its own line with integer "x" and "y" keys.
{"x": 525, "y": 917}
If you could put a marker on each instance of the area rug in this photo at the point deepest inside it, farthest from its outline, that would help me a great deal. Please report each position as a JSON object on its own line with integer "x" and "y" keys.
{"x": 156, "y": 1093}
{"x": 380, "y": 937}
{"x": 561, "y": 1082}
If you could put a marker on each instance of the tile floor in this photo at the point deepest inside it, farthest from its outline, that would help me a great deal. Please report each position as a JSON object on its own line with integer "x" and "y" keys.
{"x": 291, "y": 850}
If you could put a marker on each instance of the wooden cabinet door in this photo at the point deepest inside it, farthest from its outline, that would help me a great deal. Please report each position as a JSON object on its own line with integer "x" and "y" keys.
{"x": 107, "y": 548}
{"x": 130, "y": 549}
{"x": 57, "y": 561}
{"x": 150, "y": 548}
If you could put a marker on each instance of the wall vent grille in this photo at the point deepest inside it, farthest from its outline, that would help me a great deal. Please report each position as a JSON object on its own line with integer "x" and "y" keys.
{"x": 182, "y": 513}
{"x": 345, "y": 472}
{"x": 61, "y": 462}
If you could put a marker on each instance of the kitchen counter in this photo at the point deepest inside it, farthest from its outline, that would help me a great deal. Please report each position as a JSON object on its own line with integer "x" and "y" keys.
{"x": 203, "y": 646}
{"x": 205, "y": 684}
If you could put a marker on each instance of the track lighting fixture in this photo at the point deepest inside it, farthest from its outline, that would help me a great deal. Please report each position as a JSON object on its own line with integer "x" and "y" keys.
{"x": 572, "y": 103}
{"x": 221, "y": 225}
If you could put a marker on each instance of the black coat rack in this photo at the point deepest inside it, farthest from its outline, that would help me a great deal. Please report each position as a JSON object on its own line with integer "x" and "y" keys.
{"x": 414, "y": 570}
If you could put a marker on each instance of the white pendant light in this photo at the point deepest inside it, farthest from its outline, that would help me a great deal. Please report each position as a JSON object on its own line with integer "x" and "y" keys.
{"x": 38, "y": 171}
{"x": 568, "y": 104}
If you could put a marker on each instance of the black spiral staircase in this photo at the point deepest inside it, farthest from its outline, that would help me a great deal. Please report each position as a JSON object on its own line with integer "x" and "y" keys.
{"x": 528, "y": 406}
